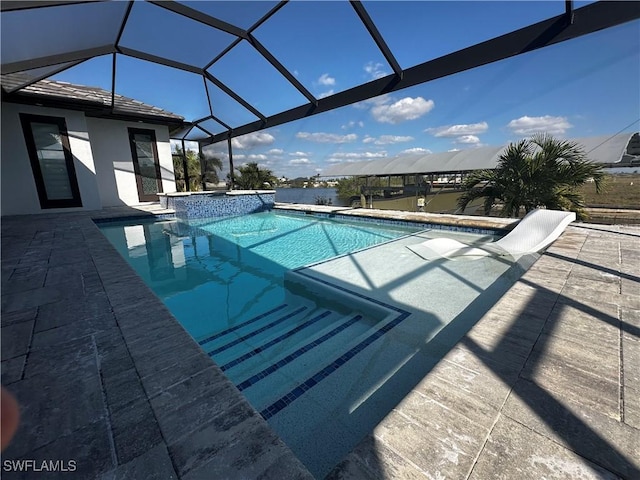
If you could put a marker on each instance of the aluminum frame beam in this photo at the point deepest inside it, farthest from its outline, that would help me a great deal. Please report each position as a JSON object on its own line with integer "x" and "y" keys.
{"x": 49, "y": 60}
{"x": 281, "y": 69}
{"x": 37, "y": 78}
{"x": 588, "y": 19}
{"x": 130, "y": 52}
{"x": 234, "y": 95}
{"x": 200, "y": 17}
{"x": 377, "y": 37}
{"x": 11, "y": 6}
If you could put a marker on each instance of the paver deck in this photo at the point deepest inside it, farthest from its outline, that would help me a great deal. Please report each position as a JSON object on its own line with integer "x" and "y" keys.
{"x": 545, "y": 384}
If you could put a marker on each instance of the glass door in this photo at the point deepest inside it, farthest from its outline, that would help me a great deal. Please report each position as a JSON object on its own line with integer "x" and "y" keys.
{"x": 51, "y": 161}
{"x": 145, "y": 164}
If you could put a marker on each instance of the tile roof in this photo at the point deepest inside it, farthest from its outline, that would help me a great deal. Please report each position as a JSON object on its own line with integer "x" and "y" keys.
{"x": 90, "y": 96}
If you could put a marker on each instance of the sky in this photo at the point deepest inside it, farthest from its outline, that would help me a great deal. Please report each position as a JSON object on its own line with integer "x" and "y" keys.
{"x": 588, "y": 86}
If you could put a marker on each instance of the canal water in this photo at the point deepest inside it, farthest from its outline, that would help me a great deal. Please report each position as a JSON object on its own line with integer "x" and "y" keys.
{"x": 309, "y": 196}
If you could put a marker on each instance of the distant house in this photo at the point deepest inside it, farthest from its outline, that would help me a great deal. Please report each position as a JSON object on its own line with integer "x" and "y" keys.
{"x": 65, "y": 147}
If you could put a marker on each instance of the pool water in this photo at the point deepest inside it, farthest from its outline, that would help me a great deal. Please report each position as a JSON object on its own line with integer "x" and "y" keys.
{"x": 217, "y": 274}
{"x": 322, "y": 376}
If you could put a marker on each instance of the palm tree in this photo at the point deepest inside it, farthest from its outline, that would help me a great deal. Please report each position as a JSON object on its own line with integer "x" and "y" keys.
{"x": 210, "y": 168}
{"x": 201, "y": 169}
{"x": 252, "y": 177}
{"x": 538, "y": 172}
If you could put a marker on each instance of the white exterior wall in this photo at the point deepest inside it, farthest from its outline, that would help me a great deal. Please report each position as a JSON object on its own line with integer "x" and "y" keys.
{"x": 101, "y": 154}
{"x": 114, "y": 162}
{"x": 19, "y": 193}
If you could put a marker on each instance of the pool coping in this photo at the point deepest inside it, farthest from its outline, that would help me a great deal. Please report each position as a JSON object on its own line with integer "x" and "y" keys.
{"x": 140, "y": 418}
{"x": 411, "y": 218}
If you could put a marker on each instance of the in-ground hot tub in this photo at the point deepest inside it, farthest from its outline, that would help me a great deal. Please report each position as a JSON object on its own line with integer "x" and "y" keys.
{"x": 191, "y": 205}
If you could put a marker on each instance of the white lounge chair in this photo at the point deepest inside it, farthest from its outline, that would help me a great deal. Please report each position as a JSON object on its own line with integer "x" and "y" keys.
{"x": 536, "y": 231}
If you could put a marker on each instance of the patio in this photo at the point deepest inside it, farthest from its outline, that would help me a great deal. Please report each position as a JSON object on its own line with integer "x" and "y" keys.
{"x": 545, "y": 383}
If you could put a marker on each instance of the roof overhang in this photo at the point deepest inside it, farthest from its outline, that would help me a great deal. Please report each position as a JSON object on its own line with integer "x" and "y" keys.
{"x": 90, "y": 108}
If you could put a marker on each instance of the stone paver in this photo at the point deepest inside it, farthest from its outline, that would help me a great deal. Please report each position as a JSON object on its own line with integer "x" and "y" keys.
{"x": 546, "y": 380}
{"x": 93, "y": 358}
{"x": 545, "y": 384}
{"x": 587, "y": 432}
{"x": 16, "y": 339}
{"x": 514, "y": 451}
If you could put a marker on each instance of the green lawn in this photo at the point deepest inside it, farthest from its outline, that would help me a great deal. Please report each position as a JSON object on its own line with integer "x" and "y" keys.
{"x": 620, "y": 191}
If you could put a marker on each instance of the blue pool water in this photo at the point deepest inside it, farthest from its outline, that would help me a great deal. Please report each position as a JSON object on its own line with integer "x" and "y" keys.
{"x": 322, "y": 376}
{"x": 214, "y": 275}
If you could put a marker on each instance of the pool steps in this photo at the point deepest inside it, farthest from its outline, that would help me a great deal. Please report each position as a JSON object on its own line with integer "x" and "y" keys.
{"x": 263, "y": 328}
{"x": 269, "y": 356}
{"x": 299, "y": 332}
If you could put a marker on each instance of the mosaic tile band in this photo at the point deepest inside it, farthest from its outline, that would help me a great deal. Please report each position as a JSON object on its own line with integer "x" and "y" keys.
{"x": 212, "y": 205}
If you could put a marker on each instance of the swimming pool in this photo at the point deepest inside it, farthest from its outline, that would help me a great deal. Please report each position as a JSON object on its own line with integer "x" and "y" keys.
{"x": 216, "y": 274}
{"x": 323, "y": 376}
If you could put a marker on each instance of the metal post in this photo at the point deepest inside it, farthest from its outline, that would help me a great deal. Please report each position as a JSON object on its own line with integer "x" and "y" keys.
{"x": 231, "y": 174}
{"x": 569, "y": 11}
{"x": 202, "y": 169}
{"x": 187, "y": 187}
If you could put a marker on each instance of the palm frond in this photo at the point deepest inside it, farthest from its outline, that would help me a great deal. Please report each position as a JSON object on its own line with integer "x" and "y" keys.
{"x": 538, "y": 172}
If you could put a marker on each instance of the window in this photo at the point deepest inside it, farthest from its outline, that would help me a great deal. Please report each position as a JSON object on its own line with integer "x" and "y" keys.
{"x": 145, "y": 164}
{"x": 51, "y": 161}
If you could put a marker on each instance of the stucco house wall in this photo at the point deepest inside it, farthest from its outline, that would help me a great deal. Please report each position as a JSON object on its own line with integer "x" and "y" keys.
{"x": 101, "y": 154}
{"x": 114, "y": 164}
{"x": 19, "y": 193}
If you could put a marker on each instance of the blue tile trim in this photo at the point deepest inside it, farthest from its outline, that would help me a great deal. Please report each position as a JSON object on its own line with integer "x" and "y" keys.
{"x": 291, "y": 357}
{"x": 255, "y": 332}
{"x": 311, "y": 382}
{"x": 240, "y": 325}
{"x": 275, "y": 341}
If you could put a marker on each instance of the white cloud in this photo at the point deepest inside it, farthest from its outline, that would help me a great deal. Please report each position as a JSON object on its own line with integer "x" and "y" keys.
{"x": 340, "y": 157}
{"x": 387, "y": 139}
{"x": 468, "y": 139}
{"x": 404, "y": 109}
{"x": 421, "y": 150}
{"x": 530, "y": 125}
{"x": 275, "y": 151}
{"x": 352, "y": 124}
{"x": 254, "y": 157}
{"x": 252, "y": 140}
{"x": 326, "y": 94}
{"x": 454, "y": 150}
{"x": 375, "y": 70}
{"x": 322, "y": 137}
{"x": 300, "y": 161}
{"x": 325, "y": 79}
{"x": 458, "y": 130}
{"x": 299, "y": 154}
{"x": 379, "y": 100}
{"x": 216, "y": 152}
{"x": 250, "y": 158}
